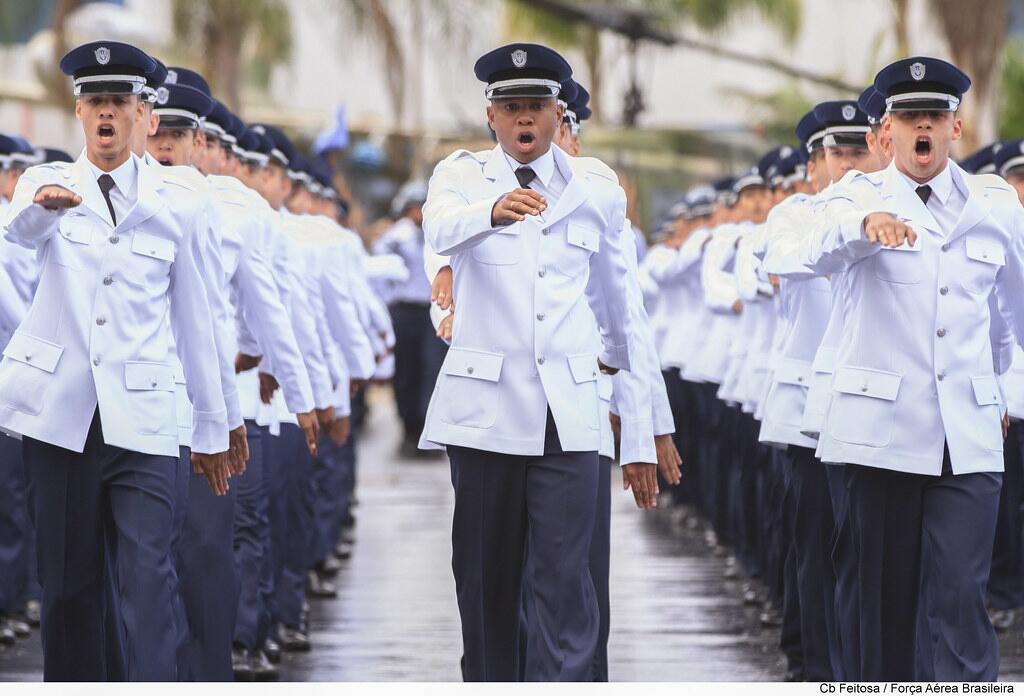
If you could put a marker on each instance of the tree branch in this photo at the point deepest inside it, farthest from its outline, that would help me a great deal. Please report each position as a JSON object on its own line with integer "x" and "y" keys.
{"x": 636, "y": 24}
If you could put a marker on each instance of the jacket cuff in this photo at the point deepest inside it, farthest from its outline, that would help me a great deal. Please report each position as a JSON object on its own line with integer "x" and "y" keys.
{"x": 637, "y": 442}
{"x": 209, "y": 431}
{"x": 234, "y": 410}
{"x": 615, "y": 356}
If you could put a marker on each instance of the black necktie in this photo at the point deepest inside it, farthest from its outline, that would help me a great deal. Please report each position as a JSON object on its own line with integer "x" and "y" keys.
{"x": 106, "y": 182}
{"x": 525, "y": 175}
{"x": 924, "y": 193}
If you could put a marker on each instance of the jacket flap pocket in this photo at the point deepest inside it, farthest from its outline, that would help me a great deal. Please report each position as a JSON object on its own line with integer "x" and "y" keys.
{"x": 866, "y": 382}
{"x": 985, "y": 251}
{"x": 76, "y": 229}
{"x": 986, "y": 390}
{"x": 796, "y": 372}
{"x": 153, "y": 246}
{"x": 30, "y": 350}
{"x": 147, "y": 376}
{"x": 604, "y": 387}
{"x": 583, "y": 367}
{"x": 476, "y": 364}
{"x": 584, "y": 237}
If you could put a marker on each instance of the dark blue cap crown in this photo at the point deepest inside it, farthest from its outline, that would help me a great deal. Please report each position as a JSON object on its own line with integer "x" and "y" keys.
{"x": 981, "y": 161}
{"x": 180, "y": 106}
{"x": 522, "y": 70}
{"x": 280, "y": 148}
{"x": 107, "y": 67}
{"x": 183, "y": 76}
{"x": 1009, "y": 157}
{"x": 922, "y": 83}
{"x": 810, "y": 131}
{"x": 872, "y": 103}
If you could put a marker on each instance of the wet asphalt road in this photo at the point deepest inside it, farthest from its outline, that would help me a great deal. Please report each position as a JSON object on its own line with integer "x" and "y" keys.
{"x": 674, "y": 617}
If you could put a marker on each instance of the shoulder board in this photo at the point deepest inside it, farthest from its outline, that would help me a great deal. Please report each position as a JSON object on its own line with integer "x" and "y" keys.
{"x": 990, "y": 185}
{"x": 594, "y": 166}
{"x": 480, "y": 156}
{"x": 186, "y": 177}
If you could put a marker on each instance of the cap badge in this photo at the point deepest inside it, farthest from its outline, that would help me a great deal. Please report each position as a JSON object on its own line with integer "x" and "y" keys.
{"x": 519, "y": 58}
{"x": 849, "y": 112}
{"x": 786, "y": 151}
{"x": 162, "y": 95}
{"x": 917, "y": 71}
{"x": 102, "y": 55}
{"x": 1022, "y": 147}
{"x": 172, "y": 77}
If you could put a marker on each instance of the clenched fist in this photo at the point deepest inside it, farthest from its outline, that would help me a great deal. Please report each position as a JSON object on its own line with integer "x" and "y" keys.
{"x": 53, "y": 197}
{"x": 884, "y": 229}
{"x": 516, "y": 205}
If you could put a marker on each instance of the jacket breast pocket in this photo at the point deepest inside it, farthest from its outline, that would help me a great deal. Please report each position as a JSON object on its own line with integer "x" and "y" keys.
{"x": 581, "y": 242}
{"x": 984, "y": 259}
{"x": 583, "y": 367}
{"x": 901, "y": 266}
{"x": 151, "y": 259}
{"x": 150, "y": 387}
{"x": 471, "y": 391}
{"x": 500, "y": 248}
{"x": 863, "y": 408}
{"x": 986, "y": 396}
{"x": 26, "y": 391}
{"x": 75, "y": 237}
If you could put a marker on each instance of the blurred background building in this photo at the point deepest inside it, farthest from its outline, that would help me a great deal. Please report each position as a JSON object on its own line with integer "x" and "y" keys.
{"x": 683, "y": 90}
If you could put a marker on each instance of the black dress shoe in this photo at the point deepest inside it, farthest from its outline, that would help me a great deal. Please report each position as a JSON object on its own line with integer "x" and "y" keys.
{"x": 770, "y": 619}
{"x": 33, "y": 613}
{"x": 241, "y": 664}
{"x": 329, "y": 567}
{"x": 1002, "y": 619}
{"x": 272, "y": 649}
{"x": 343, "y": 550}
{"x": 262, "y": 669}
{"x": 294, "y": 639}
{"x": 19, "y": 626}
{"x": 319, "y": 588}
{"x": 7, "y": 636}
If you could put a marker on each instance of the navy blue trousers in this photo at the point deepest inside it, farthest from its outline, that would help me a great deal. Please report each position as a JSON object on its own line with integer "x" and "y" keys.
{"x": 292, "y": 532}
{"x": 1006, "y": 583}
{"x": 106, "y": 511}
{"x": 600, "y": 565}
{"x": 844, "y": 635}
{"x": 252, "y": 541}
{"x": 209, "y": 581}
{"x": 907, "y": 527}
{"x": 15, "y": 528}
{"x": 504, "y": 505}
{"x": 790, "y": 641}
{"x": 419, "y": 354}
{"x": 332, "y": 468}
{"x": 813, "y": 525}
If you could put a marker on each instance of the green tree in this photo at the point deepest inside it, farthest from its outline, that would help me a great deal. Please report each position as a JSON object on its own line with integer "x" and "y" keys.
{"x": 1011, "y": 110}
{"x": 226, "y": 35}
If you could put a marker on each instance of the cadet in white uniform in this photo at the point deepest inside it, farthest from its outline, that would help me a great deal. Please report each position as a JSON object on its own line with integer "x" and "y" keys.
{"x": 86, "y": 378}
{"x": 536, "y": 464}
{"x": 933, "y": 257}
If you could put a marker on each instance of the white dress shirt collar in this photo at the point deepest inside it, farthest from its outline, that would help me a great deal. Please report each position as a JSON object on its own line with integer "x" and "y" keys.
{"x": 543, "y": 166}
{"x": 125, "y": 176}
{"x": 941, "y": 184}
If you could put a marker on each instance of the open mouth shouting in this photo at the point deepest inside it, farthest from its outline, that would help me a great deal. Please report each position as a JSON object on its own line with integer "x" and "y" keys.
{"x": 525, "y": 141}
{"x": 105, "y": 133}
{"x": 923, "y": 150}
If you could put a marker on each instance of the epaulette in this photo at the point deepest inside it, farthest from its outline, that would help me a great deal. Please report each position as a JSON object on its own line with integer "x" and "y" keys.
{"x": 186, "y": 177}
{"x": 480, "y": 156}
{"x": 594, "y": 166}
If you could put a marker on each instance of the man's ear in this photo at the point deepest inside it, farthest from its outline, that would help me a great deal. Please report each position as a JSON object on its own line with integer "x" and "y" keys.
{"x": 154, "y": 123}
{"x": 490, "y": 117}
{"x": 958, "y": 127}
{"x": 78, "y": 109}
